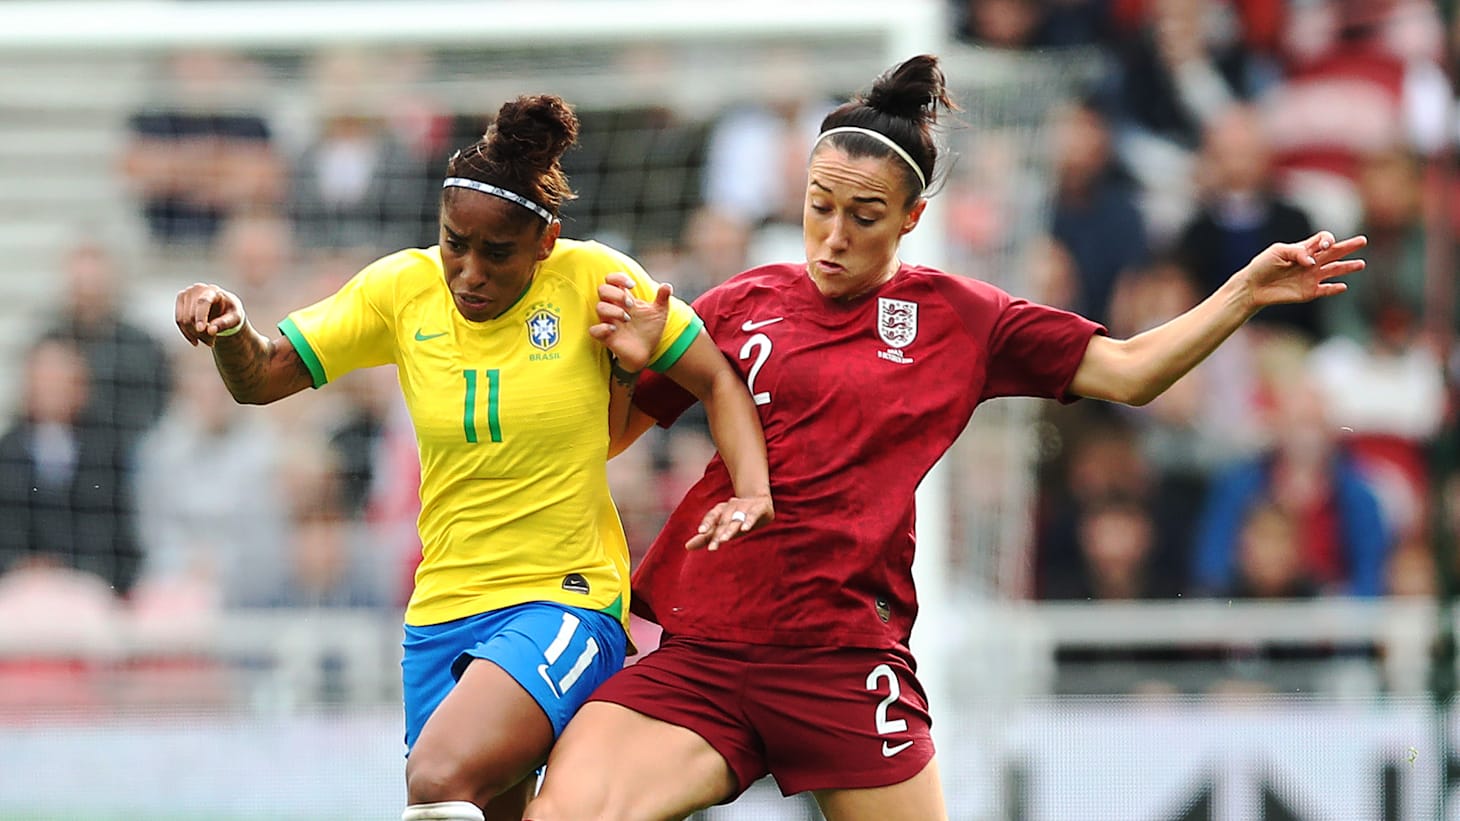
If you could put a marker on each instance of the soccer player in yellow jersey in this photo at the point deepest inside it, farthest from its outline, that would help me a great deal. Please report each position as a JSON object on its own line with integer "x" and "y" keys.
{"x": 517, "y": 361}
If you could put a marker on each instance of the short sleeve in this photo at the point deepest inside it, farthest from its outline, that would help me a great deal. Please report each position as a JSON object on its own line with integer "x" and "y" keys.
{"x": 348, "y": 330}
{"x": 1034, "y": 350}
{"x": 662, "y": 398}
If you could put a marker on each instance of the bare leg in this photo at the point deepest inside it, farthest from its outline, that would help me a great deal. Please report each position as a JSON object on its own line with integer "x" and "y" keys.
{"x": 613, "y": 764}
{"x": 484, "y": 739}
{"x": 919, "y": 798}
{"x": 508, "y": 805}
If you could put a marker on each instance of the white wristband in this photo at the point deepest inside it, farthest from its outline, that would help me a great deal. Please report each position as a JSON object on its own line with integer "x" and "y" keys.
{"x": 242, "y": 320}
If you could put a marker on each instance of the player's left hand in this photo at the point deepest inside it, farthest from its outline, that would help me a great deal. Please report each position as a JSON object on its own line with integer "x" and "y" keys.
{"x": 1301, "y": 271}
{"x": 629, "y": 327}
{"x": 729, "y": 519}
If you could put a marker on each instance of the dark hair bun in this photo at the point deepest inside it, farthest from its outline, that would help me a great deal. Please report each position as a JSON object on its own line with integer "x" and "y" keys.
{"x": 535, "y": 130}
{"x": 911, "y": 90}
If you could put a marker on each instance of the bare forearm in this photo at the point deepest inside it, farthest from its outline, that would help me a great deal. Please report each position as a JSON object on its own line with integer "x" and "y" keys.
{"x": 735, "y": 427}
{"x": 258, "y": 371}
{"x": 1136, "y": 370}
{"x": 734, "y": 421}
{"x": 621, "y": 384}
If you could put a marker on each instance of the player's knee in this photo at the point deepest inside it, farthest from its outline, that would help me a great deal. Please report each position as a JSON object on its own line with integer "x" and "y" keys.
{"x": 438, "y": 779}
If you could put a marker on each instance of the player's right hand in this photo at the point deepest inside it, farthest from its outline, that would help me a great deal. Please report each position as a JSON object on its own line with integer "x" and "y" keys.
{"x": 731, "y": 518}
{"x": 630, "y": 328}
{"x": 203, "y": 311}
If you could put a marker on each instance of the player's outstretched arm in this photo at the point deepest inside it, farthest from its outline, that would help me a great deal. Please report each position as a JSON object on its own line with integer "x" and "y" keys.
{"x": 256, "y": 370}
{"x": 1134, "y": 371}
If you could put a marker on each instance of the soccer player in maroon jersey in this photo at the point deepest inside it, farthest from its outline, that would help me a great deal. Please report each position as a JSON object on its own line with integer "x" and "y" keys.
{"x": 786, "y": 652}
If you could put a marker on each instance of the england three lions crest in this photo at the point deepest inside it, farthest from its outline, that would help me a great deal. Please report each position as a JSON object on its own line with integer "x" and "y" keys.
{"x": 897, "y": 321}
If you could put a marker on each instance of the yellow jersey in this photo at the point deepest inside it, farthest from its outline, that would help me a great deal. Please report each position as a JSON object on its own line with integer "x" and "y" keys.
{"x": 511, "y": 419}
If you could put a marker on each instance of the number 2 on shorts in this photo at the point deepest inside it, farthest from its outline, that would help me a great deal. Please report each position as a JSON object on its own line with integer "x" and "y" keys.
{"x": 886, "y": 726}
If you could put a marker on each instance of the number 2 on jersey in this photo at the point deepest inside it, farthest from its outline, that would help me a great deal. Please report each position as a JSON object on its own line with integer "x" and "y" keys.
{"x": 760, "y": 346}
{"x": 469, "y": 419}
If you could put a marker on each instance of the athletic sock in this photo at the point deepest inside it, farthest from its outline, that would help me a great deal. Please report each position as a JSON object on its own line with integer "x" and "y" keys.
{"x": 443, "y": 811}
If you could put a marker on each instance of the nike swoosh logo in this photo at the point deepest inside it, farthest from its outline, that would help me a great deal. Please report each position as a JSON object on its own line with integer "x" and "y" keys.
{"x": 420, "y": 337}
{"x": 750, "y": 326}
{"x": 888, "y": 752}
{"x": 542, "y": 670}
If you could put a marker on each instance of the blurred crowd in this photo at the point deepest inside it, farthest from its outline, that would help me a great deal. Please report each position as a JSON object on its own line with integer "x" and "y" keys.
{"x": 1298, "y": 461}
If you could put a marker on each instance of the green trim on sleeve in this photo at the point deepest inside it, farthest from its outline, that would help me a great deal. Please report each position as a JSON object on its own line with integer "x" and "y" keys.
{"x": 667, "y": 359}
{"x": 301, "y": 346}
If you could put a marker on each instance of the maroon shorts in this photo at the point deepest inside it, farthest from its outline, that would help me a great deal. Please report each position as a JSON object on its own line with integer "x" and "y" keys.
{"x": 816, "y": 718}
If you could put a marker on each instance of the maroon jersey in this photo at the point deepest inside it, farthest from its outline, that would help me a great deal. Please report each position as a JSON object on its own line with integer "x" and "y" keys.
{"x": 858, "y": 400}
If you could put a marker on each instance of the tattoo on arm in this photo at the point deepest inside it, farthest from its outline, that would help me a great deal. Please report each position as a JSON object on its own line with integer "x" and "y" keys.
{"x": 625, "y": 378}
{"x": 258, "y": 371}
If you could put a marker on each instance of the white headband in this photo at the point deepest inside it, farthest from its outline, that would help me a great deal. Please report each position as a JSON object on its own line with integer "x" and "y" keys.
{"x": 462, "y": 182}
{"x": 882, "y": 138}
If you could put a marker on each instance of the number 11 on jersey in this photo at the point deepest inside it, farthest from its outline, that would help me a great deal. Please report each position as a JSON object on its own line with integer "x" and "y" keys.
{"x": 469, "y": 419}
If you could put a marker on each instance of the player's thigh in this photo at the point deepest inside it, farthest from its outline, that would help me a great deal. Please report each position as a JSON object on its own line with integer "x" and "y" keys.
{"x": 919, "y": 798}
{"x": 615, "y": 764}
{"x": 486, "y": 736}
{"x": 529, "y": 669}
{"x": 839, "y": 718}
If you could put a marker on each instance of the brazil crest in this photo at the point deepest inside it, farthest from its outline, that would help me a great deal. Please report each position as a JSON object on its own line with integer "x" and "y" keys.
{"x": 544, "y": 329}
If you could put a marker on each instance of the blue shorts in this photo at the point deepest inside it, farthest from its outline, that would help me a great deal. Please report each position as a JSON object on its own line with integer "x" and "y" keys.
{"x": 559, "y": 654}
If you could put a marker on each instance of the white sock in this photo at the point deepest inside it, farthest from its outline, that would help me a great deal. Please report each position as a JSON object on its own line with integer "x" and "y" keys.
{"x": 443, "y": 811}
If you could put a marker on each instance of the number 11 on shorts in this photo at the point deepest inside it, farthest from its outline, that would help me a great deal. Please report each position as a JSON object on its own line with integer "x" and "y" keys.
{"x": 554, "y": 654}
{"x": 884, "y": 725}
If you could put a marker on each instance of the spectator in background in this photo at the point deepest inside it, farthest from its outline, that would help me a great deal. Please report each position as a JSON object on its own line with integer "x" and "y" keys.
{"x": 1100, "y": 459}
{"x": 1204, "y": 423}
{"x": 1025, "y": 24}
{"x": 1389, "y": 396}
{"x": 1391, "y": 198}
{"x": 1270, "y": 557}
{"x": 1180, "y": 65}
{"x": 1095, "y": 215}
{"x": 358, "y": 186}
{"x": 1381, "y": 369}
{"x": 1183, "y": 63}
{"x": 203, "y": 152}
{"x": 755, "y": 155}
{"x": 64, "y": 497}
{"x": 1310, "y": 476}
{"x": 330, "y": 559}
{"x": 127, "y": 367}
{"x": 357, "y": 432}
{"x": 394, "y": 506}
{"x": 1117, "y": 545}
{"x": 1050, "y": 272}
{"x": 257, "y": 250}
{"x": 1240, "y": 213}
{"x": 201, "y": 535}
{"x": 1363, "y": 76}
{"x": 715, "y": 246}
